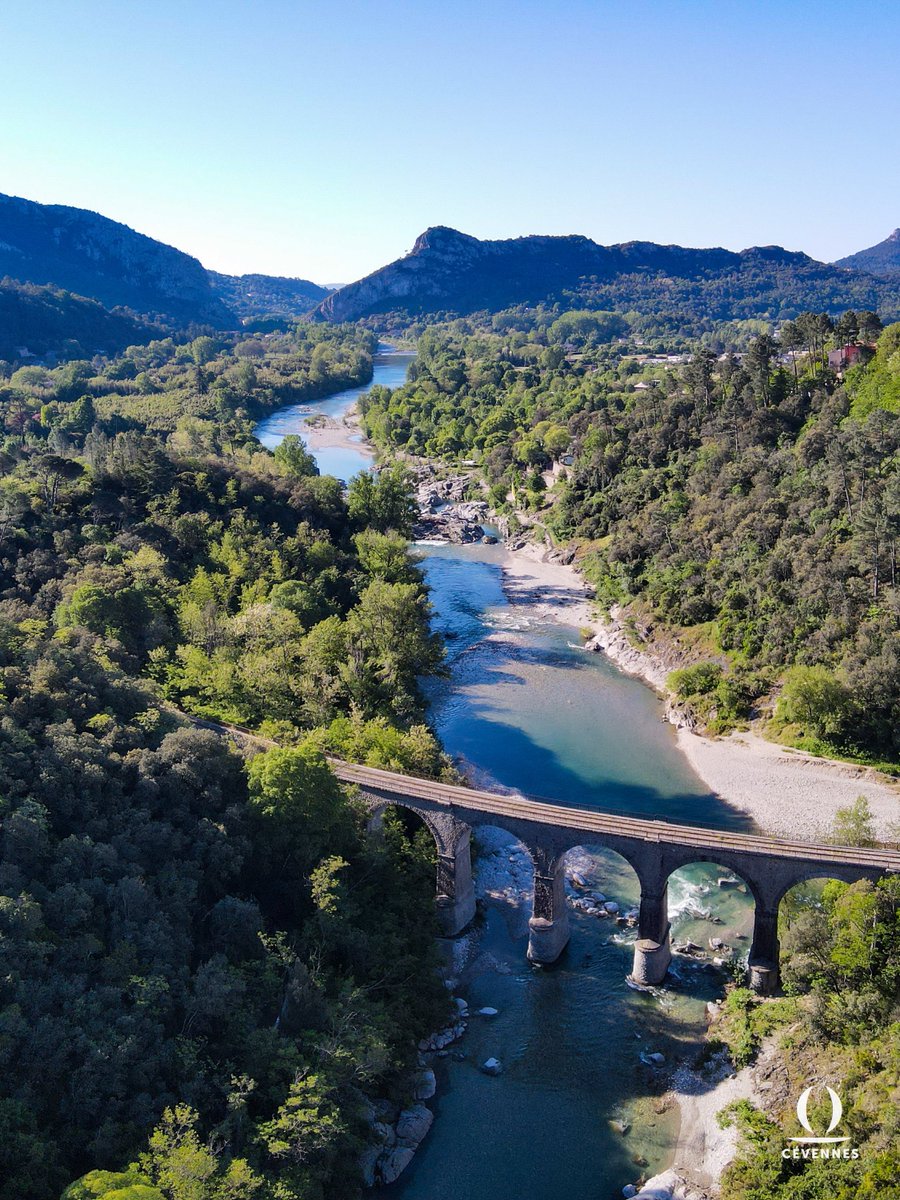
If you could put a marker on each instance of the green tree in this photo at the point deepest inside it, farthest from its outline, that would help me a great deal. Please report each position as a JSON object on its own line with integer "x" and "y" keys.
{"x": 854, "y": 826}
{"x": 814, "y": 698}
{"x": 294, "y": 458}
{"x": 384, "y": 501}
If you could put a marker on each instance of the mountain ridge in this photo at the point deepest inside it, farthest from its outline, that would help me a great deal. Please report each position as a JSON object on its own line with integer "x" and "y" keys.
{"x": 882, "y": 259}
{"x": 267, "y": 295}
{"x": 450, "y": 271}
{"x": 91, "y": 255}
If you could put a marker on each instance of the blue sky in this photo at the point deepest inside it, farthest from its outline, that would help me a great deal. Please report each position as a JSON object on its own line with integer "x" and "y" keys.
{"x": 319, "y": 139}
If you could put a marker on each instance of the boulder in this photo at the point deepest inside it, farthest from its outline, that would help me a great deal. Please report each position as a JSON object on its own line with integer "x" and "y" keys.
{"x": 385, "y": 1134}
{"x": 654, "y": 1058}
{"x": 660, "y": 1187}
{"x": 391, "y": 1166}
{"x": 492, "y": 1066}
{"x": 611, "y": 906}
{"x": 367, "y": 1163}
{"x": 444, "y": 1037}
{"x": 386, "y": 1111}
{"x": 487, "y": 1012}
{"x": 425, "y": 1085}
{"x": 412, "y": 1125}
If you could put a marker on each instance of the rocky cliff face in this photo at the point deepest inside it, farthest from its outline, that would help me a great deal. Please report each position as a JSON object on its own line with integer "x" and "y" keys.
{"x": 451, "y": 271}
{"x": 90, "y": 255}
{"x": 882, "y": 259}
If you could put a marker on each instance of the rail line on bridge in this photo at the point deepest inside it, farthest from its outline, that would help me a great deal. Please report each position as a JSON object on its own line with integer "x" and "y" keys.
{"x": 654, "y": 848}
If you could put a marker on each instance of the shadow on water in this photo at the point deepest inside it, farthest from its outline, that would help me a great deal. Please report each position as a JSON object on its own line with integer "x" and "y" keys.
{"x": 589, "y": 750}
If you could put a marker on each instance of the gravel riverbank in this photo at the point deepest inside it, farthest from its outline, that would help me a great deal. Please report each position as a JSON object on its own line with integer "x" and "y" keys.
{"x": 786, "y": 792}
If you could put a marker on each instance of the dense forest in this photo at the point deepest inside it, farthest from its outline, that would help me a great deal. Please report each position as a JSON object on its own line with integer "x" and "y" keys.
{"x": 454, "y": 273}
{"x": 748, "y": 504}
{"x": 744, "y": 506}
{"x": 36, "y": 320}
{"x": 190, "y": 940}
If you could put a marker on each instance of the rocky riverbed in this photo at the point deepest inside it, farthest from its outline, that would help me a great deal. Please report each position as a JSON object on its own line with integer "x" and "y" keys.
{"x": 447, "y": 513}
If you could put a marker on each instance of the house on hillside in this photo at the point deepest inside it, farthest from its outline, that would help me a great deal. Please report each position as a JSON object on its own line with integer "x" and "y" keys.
{"x": 848, "y": 356}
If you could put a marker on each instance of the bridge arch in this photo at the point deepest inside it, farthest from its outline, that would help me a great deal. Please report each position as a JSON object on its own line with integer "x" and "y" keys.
{"x": 712, "y": 907}
{"x": 655, "y": 848}
{"x": 454, "y": 886}
{"x": 503, "y": 864}
{"x": 593, "y": 869}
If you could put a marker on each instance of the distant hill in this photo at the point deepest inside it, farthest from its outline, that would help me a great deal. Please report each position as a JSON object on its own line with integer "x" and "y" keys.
{"x": 85, "y": 253}
{"x": 267, "y": 295}
{"x": 37, "y": 320}
{"x": 448, "y": 271}
{"x": 883, "y": 259}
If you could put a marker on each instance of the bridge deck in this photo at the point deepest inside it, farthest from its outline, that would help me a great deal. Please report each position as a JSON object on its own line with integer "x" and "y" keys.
{"x": 584, "y": 820}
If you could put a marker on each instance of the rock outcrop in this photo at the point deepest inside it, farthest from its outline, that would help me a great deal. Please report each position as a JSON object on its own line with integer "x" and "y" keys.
{"x": 444, "y": 513}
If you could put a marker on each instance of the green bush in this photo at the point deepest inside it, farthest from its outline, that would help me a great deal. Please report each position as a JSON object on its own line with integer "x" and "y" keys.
{"x": 814, "y": 698}
{"x": 697, "y": 680}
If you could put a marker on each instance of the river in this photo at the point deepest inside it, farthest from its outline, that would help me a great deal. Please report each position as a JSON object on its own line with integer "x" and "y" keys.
{"x": 526, "y": 708}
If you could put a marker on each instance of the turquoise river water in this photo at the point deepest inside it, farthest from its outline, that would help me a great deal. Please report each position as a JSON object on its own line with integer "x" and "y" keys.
{"x": 525, "y": 707}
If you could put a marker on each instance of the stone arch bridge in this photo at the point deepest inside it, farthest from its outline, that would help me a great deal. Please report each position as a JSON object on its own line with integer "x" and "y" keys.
{"x": 768, "y": 866}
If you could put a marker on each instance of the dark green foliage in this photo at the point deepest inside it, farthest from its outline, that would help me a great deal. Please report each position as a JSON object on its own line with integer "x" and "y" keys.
{"x": 186, "y": 941}
{"x": 46, "y": 320}
{"x": 254, "y": 296}
{"x": 157, "y": 919}
{"x": 93, "y": 256}
{"x": 448, "y": 272}
{"x": 841, "y": 956}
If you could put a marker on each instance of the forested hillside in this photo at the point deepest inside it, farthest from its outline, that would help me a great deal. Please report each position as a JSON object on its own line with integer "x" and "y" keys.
{"x": 448, "y": 272}
{"x": 35, "y": 321}
{"x": 267, "y": 295}
{"x": 86, "y": 253}
{"x": 750, "y": 504}
{"x": 181, "y": 932}
{"x": 881, "y": 259}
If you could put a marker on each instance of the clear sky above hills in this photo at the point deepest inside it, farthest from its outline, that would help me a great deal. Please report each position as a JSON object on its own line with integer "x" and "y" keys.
{"x": 319, "y": 138}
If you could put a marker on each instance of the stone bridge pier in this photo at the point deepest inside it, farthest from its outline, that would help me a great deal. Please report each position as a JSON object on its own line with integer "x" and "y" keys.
{"x": 455, "y": 897}
{"x": 548, "y": 929}
{"x": 652, "y": 950}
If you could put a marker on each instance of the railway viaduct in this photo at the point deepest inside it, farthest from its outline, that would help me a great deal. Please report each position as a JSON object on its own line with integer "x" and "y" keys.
{"x": 768, "y": 866}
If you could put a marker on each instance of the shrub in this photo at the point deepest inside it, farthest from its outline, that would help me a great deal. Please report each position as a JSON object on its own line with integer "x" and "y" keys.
{"x": 697, "y": 680}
